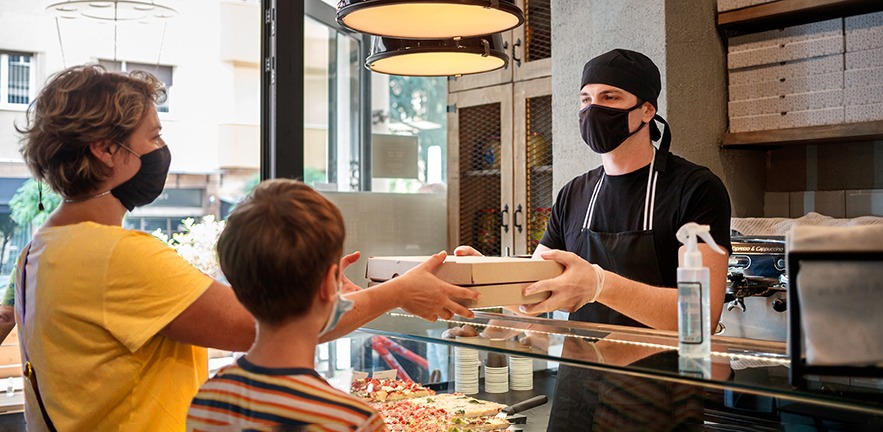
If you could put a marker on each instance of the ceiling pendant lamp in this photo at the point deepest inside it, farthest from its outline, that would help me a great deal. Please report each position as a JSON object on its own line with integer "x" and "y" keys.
{"x": 144, "y": 11}
{"x": 429, "y": 19}
{"x": 437, "y": 57}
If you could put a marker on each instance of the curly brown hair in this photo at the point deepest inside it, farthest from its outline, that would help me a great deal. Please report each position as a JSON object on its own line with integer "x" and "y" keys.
{"x": 79, "y": 106}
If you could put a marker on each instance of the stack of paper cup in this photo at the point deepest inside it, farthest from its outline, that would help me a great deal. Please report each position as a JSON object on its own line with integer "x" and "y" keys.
{"x": 520, "y": 373}
{"x": 496, "y": 379}
{"x": 466, "y": 366}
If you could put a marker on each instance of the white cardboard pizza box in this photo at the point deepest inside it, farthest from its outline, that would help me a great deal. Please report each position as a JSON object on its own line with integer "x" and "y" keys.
{"x": 503, "y": 295}
{"x": 789, "y": 70}
{"x": 468, "y": 270}
{"x": 500, "y": 281}
{"x": 497, "y": 295}
{"x": 863, "y": 32}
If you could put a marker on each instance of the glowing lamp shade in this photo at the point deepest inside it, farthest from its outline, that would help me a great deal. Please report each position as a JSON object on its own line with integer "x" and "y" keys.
{"x": 429, "y": 19}
{"x": 438, "y": 57}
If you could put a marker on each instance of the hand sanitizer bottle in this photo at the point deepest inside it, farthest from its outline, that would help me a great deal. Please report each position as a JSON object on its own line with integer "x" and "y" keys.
{"x": 694, "y": 308}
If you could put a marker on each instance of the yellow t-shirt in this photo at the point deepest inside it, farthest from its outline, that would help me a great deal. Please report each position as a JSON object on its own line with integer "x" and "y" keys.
{"x": 96, "y": 297}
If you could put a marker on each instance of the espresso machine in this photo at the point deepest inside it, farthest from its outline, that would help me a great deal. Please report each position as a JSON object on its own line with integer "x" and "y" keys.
{"x": 757, "y": 283}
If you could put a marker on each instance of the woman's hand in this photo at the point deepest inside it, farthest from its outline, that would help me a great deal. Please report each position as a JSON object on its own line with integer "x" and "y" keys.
{"x": 7, "y": 321}
{"x": 346, "y": 261}
{"x": 569, "y": 290}
{"x": 429, "y": 297}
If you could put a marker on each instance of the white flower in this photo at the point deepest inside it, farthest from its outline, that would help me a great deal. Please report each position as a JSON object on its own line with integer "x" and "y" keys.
{"x": 197, "y": 243}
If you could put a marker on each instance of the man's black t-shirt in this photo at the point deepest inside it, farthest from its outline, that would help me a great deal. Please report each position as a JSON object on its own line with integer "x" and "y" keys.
{"x": 685, "y": 192}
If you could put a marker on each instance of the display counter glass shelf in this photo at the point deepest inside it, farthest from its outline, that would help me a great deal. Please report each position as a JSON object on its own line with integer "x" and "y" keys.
{"x": 623, "y": 377}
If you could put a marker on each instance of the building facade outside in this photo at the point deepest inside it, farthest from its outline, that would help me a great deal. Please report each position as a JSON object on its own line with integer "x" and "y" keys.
{"x": 208, "y": 56}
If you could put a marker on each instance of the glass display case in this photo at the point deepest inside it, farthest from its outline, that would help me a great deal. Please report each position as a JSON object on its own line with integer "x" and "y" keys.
{"x": 606, "y": 377}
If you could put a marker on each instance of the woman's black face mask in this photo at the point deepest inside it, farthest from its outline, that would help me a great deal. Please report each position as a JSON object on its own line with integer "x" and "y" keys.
{"x": 147, "y": 184}
{"x": 604, "y": 128}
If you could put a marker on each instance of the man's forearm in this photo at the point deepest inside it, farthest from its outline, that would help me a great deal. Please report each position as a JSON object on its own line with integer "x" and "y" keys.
{"x": 656, "y": 307}
{"x": 652, "y": 306}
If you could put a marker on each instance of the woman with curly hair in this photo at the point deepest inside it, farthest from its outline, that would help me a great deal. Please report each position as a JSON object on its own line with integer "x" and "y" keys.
{"x": 112, "y": 322}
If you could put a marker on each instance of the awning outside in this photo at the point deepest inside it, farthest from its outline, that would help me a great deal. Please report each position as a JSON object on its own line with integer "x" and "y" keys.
{"x": 8, "y": 187}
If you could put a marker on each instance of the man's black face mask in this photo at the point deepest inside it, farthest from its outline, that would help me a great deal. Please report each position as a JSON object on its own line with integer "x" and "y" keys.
{"x": 604, "y": 128}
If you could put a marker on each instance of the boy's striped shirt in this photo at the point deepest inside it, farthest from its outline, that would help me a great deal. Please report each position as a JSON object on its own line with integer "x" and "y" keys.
{"x": 246, "y": 397}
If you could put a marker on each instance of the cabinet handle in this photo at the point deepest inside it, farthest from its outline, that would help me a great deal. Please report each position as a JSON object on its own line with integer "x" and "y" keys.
{"x": 515, "y": 217}
{"x": 505, "y": 47}
{"x": 514, "y": 57}
{"x": 503, "y": 217}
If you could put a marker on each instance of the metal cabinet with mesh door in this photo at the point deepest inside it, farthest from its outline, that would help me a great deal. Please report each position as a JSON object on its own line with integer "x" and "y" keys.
{"x": 529, "y": 47}
{"x": 500, "y": 166}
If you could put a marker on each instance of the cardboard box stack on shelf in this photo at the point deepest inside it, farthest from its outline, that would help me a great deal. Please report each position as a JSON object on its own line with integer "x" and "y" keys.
{"x": 728, "y": 5}
{"x": 786, "y": 78}
{"x": 499, "y": 280}
{"x": 863, "y": 94}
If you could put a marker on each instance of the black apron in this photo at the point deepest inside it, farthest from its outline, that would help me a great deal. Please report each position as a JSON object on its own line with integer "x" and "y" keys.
{"x": 581, "y": 393}
{"x": 630, "y": 254}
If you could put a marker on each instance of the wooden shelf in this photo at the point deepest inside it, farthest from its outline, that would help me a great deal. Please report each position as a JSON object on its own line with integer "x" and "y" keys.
{"x": 846, "y": 132}
{"x": 785, "y": 13}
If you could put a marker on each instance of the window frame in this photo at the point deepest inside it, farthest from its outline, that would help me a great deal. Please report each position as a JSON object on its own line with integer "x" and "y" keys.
{"x": 282, "y": 111}
{"x": 4, "y": 81}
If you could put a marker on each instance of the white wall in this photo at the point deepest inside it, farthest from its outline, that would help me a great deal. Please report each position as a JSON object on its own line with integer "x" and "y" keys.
{"x": 386, "y": 224}
{"x": 581, "y": 30}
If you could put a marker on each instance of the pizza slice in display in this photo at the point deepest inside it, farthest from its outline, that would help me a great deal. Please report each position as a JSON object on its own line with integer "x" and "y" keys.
{"x": 383, "y": 390}
{"x": 409, "y": 406}
{"x": 425, "y": 416}
{"x": 460, "y": 405}
{"x": 454, "y": 412}
{"x": 403, "y": 416}
{"x": 481, "y": 423}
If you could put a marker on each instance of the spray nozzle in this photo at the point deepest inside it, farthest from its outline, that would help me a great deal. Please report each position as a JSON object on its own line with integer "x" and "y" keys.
{"x": 687, "y": 235}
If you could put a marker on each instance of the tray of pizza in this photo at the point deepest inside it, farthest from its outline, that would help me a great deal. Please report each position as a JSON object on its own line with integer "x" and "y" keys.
{"x": 405, "y": 415}
{"x": 459, "y": 404}
{"x": 388, "y": 390}
{"x": 409, "y": 406}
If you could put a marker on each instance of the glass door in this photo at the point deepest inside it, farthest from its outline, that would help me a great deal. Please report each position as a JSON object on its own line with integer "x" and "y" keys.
{"x": 332, "y": 105}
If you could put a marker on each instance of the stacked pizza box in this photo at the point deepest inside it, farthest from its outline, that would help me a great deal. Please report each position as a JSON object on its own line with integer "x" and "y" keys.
{"x": 863, "y": 81}
{"x": 499, "y": 280}
{"x": 786, "y": 78}
{"x": 408, "y": 406}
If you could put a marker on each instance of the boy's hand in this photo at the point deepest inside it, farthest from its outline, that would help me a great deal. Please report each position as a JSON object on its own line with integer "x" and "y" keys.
{"x": 346, "y": 261}
{"x": 429, "y": 297}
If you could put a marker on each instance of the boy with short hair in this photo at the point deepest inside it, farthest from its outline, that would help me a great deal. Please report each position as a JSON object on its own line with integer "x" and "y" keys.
{"x": 280, "y": 251}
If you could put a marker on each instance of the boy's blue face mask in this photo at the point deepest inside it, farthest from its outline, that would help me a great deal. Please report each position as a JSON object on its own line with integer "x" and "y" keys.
{"x": 341, "y": 307}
